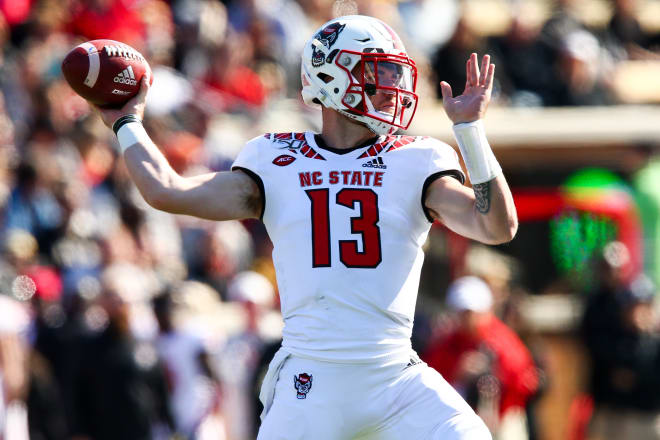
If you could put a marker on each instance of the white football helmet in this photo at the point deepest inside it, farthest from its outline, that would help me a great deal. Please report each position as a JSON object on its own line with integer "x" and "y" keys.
{"x": 358, "y": 66}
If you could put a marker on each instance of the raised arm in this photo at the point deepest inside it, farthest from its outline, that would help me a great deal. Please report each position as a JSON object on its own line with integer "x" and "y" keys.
{"x": 215, "y": 196}
{"x": 487, "y": 212}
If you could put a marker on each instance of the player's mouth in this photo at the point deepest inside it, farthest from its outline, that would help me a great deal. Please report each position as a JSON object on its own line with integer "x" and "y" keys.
{"x": 387, "y": 107}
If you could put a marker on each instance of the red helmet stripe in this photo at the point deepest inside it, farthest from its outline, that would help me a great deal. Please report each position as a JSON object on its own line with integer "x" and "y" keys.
{"x": 398, "y": 44}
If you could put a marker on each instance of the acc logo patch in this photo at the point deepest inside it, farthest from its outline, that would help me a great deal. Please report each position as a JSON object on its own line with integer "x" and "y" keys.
{"x": 283, "y": 160}
{"x": 302, "y": 383}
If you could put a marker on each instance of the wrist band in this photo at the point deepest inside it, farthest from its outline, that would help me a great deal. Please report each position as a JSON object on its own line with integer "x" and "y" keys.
{"x": 124, "y": 120}
{"x": 131, "y": 133}
{"x": 479, "y": 159}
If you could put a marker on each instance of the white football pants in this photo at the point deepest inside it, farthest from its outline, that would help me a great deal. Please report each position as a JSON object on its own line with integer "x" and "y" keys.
{"x": 362, "y": 401}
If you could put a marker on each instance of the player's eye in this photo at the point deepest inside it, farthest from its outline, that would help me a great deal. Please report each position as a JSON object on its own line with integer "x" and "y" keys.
{"x": 389, "y": 74}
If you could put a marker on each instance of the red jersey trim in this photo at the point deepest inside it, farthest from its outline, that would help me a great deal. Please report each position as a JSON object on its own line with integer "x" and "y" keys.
{"x": 296, "y": 143}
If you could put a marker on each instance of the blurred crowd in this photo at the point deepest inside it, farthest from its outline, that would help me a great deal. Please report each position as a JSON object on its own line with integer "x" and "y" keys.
{"x": 110, "y": 310}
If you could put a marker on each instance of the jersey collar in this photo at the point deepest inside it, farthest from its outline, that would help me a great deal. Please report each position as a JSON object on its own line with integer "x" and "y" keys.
{"x": 341, "y": 151}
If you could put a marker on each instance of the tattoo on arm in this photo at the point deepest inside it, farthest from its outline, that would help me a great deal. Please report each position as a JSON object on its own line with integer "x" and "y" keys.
{"x": 482, "y": 194}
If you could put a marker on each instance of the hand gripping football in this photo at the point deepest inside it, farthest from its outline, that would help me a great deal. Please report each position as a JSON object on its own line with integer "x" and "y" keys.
{"x": 105, "y": 72}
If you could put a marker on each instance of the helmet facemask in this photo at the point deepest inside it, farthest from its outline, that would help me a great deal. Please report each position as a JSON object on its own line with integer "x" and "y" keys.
{"x": 382, "y": 87}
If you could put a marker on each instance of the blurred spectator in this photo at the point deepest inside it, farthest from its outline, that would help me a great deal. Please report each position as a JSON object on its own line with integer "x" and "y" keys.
{"x": 485, "y": 361}
{"x": 120, "y": 379}
{"x": 241, "y": 355}
{"x": 231, "y": 77}
{"x": 59, "y": 331}
{"x": 628, "y": 44}
{"x": 6, "y": 145}
{"x": 215, "y": 252}
{"x": 622, "y": 335}
{"x": 602, "y": 322}
{"x": 14, "y": 354}
{"x": 578, "y": 63}
{"x": 113, "y": 19}
{"x": 524, "y": 68}
{"x": 192, "y": 383}
{"x": 286, "y": 26}
{"x": 16, "y": 11}
{"x": 624, "y": 28}
{"x": 52, "y": 361}
{"x": 497, "y": 270}
{"x": 580, "y": 68}
{"x": 563, "y": 21}
{"x": 33, "y": 208}
{"x": 448, "y": 61}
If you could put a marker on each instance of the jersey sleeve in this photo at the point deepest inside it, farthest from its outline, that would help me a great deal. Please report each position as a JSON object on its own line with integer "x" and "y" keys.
{"x": 248, "y": 158}
{"x": 443, "y": 162}
{"x": 248, "y": 161}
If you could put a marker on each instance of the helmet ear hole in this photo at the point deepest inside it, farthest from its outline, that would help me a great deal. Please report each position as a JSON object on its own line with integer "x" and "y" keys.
{"x": 324, "y": 77}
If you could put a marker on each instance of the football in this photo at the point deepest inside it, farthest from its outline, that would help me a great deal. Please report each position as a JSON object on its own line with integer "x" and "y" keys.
{"x": 105, "y": 72}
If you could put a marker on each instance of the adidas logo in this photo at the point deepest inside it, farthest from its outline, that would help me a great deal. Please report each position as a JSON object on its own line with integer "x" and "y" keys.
{"x": 375, "y": 163}
{"x": 126, "y": 77}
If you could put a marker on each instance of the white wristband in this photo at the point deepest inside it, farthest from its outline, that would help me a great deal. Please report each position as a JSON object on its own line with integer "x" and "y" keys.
{"x": 131, "y": 134}
{"x": 479, "y": 159}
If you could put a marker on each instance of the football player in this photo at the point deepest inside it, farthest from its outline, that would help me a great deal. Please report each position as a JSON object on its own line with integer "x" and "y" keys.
{"x": 348, "y": 211}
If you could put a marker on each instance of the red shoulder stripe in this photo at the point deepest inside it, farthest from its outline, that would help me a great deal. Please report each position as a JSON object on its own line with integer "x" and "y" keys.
{"x": 295, "y": 142}
{"x": 402, "y": 141}
{"x": 377, "y": 148}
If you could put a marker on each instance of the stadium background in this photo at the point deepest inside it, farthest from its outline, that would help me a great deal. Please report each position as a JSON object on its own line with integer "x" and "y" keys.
{"x": 574, "y": 123}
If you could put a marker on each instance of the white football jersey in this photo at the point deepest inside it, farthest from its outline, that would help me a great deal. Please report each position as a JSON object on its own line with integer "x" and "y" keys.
{"x": 347, "y": 229}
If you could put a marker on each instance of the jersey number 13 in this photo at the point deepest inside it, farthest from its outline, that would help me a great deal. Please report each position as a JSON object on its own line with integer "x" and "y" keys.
{"x": 366, "y": 224}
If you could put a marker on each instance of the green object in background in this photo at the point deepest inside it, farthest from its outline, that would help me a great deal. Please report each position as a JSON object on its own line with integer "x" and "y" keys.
{"x": 594, "y": 178}
{"x": 646, "y": 183}
{"x": 576, "y": 234}
{"x": 575, "y": 237}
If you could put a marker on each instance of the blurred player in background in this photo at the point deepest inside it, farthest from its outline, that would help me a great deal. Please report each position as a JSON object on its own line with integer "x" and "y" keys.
{"x": 621, "y": 332}
{"x": 192, "y": 383}
{"x": 348, "y": 211}
{"x": 485, "y": 360}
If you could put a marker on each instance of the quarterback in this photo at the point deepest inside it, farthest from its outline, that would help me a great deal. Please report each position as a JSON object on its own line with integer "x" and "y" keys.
{"x": 348, "y": 211}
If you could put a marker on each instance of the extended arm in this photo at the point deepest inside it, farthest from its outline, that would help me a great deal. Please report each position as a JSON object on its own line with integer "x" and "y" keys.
{"x": 486, "y": 212}
{"x": 215, "y": 196}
